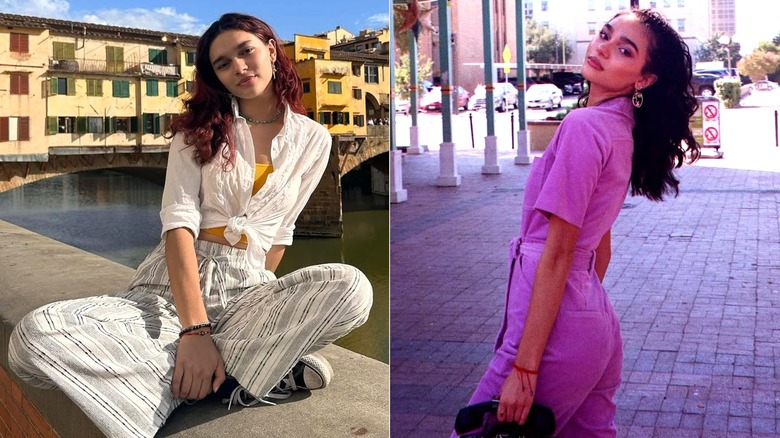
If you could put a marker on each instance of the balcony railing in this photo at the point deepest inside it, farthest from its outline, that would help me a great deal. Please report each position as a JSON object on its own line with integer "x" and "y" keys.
{"x": 113, "y": 67}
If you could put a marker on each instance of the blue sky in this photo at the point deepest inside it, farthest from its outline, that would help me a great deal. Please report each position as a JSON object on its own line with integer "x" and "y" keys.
{"x": 305, "y": 17}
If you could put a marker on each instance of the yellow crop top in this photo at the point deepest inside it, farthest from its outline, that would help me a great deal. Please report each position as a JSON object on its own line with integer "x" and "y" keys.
{"x": 261, "y": 176}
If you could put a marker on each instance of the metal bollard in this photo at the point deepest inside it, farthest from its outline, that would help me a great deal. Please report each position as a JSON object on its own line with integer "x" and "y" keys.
{"x": 777, "y": 144}
{"x": 471, "y": 123}
{"x": 512, "y": 132}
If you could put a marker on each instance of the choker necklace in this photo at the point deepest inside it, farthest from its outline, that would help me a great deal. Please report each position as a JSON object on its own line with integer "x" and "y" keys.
{"x": 262, "y": 122}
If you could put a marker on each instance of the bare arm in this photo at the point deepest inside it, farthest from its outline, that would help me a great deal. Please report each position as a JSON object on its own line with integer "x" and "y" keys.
{"x": 552, "y": 272}
{"x": 603, "y": 255}
{"x": 274, "y": 256}
{"x": 183, "y": 272}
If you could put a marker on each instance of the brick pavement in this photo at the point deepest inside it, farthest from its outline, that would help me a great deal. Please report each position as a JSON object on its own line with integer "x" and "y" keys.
{"x": 695, "y": 280}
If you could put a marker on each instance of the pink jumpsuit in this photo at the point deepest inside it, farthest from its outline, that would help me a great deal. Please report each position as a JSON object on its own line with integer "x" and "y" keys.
{"x": 583, "y": 179}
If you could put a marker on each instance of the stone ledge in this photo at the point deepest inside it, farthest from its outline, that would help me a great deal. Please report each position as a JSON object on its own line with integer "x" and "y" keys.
{"x": 35, "y": 270}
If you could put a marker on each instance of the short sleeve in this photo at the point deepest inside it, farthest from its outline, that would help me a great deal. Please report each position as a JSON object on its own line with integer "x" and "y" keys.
{"x": 319, "y": 146}
{"x": 573, "y": 169}
{"x": 181, "y": 194}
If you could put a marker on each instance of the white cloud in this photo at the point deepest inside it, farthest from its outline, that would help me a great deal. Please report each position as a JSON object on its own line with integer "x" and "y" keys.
{"x": 379, "y": 20}
{"x": 162, "y": 19}
{"x": 38, "y": 8}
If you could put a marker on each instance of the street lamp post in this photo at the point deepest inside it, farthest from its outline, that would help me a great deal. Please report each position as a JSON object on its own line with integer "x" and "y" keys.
{"x": 726, "y": 41}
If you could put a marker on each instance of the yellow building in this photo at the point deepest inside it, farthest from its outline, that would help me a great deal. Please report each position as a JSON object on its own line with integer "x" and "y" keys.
{"x": 341, "y": 90}
{"x": 68, "y": 85}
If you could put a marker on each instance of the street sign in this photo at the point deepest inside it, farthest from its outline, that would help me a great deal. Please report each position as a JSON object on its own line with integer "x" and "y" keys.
{"x": 506, "y": 55}
{"x": 710, "y": 111}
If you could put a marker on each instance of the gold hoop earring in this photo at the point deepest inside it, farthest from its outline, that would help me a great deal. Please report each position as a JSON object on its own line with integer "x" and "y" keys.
{"x": 637, "y": 99}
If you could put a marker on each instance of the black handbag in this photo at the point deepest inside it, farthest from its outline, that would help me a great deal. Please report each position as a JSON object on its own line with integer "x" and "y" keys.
{"x": 479, "y": 421}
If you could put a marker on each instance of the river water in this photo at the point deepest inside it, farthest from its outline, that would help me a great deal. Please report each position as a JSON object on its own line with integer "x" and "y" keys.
{"x": 116, "y": 216}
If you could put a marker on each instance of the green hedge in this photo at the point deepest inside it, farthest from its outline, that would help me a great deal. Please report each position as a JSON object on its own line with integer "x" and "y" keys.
{"x": 728, "y": 91}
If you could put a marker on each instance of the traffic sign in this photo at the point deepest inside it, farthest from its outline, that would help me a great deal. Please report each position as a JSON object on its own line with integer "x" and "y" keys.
{"x": 710, "y": 111}
{"x": 711, "y": 135}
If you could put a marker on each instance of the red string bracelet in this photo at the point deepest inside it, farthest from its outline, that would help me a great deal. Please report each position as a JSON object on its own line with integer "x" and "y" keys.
{"x": 521, "y": 370}
{"x": 194, "y": 333}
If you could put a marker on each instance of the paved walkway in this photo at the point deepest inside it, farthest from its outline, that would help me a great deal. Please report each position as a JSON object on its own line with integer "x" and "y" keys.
{"x": 695, "y": 280}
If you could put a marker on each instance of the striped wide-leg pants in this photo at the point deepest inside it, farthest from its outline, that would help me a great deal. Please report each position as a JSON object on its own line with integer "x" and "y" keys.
{"x": 114, "y": 355}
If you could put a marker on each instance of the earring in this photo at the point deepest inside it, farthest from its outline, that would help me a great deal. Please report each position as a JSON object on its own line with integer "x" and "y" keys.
{"x": 273, "y": 70}
{"x": 637, "y": 99}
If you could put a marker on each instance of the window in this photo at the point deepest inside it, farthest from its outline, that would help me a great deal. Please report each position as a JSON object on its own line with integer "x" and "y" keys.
{"x": 355, "y": 69}
{"x": 115, "y": 59}
{"x": 151, "y": 123}
{"x": 621, "y": 4}
{"x": 372, "y": 74}
{"x": 681, "y": 25}
{"x": 20, "y": 42}
{"x": 591, "y": 5}
{"x": 65, "y": 86}
{"x": 544, "y": 5}
{"x": 360, "y": 120}
{"x": 95, "y": 125}
{"x": 608, "y": 5}
{"x": 310, "y": 114}
{"x": 120, "y": 124}
{"x": 653, "y": 5}
{"x": 340, "y": 118}
{"x": 325, "y": 118}
{"x": 680, "y": 3}
{"x": 667, "y": 3}
{"x": 545, "y": 23}
{"x": 190, "y": 58}
{"x": 171, "y": 88}
{"x": 64, "y": 50}
{"x": 94, "y": 87}
{"x": 334, "y": 87}
{"x": 158, "y": 56}
{"x": 61, "y": 125}
{"x": 20, "y": 83}
{"x": 120, "y": 88}
{"x": 189, "y": 85}
{"x": 152, "y": 87}
{"x": 591, "y": 28}
{"x": 307, "y": 87}
{"x": 528, "y": 8}
{"x": 14, "y": 128}
{"x": 357, "y": 93}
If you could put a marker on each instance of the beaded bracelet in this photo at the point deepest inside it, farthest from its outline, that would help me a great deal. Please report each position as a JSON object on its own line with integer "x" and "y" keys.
{"x": 192, "y": 328}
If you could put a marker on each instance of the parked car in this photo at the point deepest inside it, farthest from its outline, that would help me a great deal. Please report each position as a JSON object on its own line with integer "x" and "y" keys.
{"x": 704, "y": 84}
{"x": 763, "y": 86}
{"x": 568, "y": 82}
{"x": 504, "y": 97}
{"x": 431, "y": 101}
{"x": 402, "y": 106}
{"x": 722, "y": 72}
{"x": 546, "y": 96}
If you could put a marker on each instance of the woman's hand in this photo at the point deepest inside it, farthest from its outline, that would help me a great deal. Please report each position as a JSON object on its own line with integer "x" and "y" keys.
{"x": 516, "y": 397}
{"x": 199, "y": 368}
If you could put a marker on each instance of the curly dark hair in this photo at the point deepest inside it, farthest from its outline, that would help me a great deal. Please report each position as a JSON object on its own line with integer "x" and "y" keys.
{"x": 662, "y": 135}
{"x": 208, "y": 116}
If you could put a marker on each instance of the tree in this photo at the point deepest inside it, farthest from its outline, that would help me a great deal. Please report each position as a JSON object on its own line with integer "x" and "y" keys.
{"x": 545, "y": 46}
{"x": 403, "y": 73}
{"x": 759, "y": 64}
{"x": 712, "y": 50}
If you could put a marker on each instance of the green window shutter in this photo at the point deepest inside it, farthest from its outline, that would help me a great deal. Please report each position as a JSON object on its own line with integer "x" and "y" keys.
{"x": 115, "y": 88}
{"x": 156, "y": 123}
{"x": 70, "y": 51}
{"x": 153, "y": 55}
{"x": 71, "y": 86}
{"x": 98, "y": 87}
{"x": 56, "y": 50}
{"x": 51, "y": 122}
{"x": 81, "y": 125}
{"x": 107, "y": 125}
{"x": 112, "y": 124}
{"x": 171, "y": 88}
{"x": 145, "y": 127}
{"x": 346, "y": 118}
{"x": 90, "y": 87}
{"x": 54, "y": 83}
{"x": 134, "y": 124}
{"x": 152, "y": 88}
{"x": 125, "y": 88}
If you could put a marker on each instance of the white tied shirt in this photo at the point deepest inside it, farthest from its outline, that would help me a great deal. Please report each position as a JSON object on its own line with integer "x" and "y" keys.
{"x": 207, "y": 196}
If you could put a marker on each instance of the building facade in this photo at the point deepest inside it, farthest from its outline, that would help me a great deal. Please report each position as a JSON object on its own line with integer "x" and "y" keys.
{"x": 67, "y": 85}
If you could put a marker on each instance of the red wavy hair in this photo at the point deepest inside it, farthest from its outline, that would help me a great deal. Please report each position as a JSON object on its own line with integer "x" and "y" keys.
{"x": 208, "y": 115}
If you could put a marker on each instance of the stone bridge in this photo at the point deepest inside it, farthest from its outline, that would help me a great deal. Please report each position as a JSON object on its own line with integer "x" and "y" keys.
{"x": 321, "y": 217}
